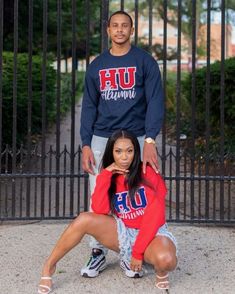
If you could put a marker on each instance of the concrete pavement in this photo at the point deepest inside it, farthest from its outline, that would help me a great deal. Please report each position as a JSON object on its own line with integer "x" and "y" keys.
{"x": 206, "y": 262}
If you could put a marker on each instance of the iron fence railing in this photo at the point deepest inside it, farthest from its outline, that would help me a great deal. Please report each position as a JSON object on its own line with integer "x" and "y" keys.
{"x": 42, "y": 177}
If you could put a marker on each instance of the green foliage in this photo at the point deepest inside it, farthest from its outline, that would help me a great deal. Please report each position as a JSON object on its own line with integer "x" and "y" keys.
{"x": 52, "y": 26}
{"x": 66, "y": 90}
{"x": 157, "y": 49}
{"x": 22, "y": 97}
{"x": 215, "y": 104}
{"x": 171, "y": 104}
{"x": 22, "y": 100}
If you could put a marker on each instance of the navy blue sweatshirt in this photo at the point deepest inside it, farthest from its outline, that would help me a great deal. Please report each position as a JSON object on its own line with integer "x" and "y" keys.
{"x": 122, "y": 92}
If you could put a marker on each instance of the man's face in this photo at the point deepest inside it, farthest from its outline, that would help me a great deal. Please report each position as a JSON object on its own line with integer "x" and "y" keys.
{"x": 120, "y": 29}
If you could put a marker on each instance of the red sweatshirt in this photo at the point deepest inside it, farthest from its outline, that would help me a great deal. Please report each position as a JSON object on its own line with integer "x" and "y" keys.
{"x": 146, "y": 212}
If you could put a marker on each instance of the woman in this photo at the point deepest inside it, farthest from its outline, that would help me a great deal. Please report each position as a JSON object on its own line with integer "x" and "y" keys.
{"x": 128, "y": 215}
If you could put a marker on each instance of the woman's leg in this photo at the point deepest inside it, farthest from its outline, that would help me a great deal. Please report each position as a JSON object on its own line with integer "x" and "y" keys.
{"x": 161, "y": 253}
{"x": 102, "y": 227}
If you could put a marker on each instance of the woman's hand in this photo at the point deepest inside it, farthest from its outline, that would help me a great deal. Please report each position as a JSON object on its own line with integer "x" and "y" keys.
{"x": 136, "y": 264}
{"x": 115, "y": 169}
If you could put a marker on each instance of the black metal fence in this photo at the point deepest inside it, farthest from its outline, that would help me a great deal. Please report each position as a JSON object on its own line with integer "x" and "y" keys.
{"x": 41, "y": 174}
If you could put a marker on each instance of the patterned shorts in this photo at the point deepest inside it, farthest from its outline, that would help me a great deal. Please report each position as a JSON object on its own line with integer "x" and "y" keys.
{"x": 127, "y": 236}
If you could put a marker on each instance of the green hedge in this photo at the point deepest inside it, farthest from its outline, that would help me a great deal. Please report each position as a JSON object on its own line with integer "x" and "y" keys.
{"x": 66, "y": 90}
{"x": 171, "y": 101}
{"x": 22, "y": 95}
{"x": 214, "y": 120}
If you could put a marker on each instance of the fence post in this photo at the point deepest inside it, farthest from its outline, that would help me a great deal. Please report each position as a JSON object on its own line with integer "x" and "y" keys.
{"x": 104, "y": 19}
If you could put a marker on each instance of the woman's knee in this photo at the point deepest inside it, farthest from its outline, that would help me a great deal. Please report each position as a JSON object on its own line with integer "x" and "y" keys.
{"x": 83, "y": 220}
{"x": 165, "y": 260}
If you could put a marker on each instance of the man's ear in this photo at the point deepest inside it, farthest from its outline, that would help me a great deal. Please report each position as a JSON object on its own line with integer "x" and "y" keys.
{"x": 107, "y": 30}
{"x": 132, "y": 31}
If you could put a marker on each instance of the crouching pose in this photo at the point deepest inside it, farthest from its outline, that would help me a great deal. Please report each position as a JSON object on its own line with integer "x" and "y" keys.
{"x": 128, "y": 216}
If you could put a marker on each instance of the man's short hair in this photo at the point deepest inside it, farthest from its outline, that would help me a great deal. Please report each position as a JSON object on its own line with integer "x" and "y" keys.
{"x": 120, "y": 12}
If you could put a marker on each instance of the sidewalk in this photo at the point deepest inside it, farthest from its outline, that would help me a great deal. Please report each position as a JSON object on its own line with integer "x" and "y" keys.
{"x": 206, "y": 262}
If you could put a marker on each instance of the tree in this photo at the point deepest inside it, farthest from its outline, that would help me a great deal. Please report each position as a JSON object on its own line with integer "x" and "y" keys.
{"x": 187, "y": 17}
{"x": 186, "y": 20}
{"x": 229, "y": 7}
{"x": 66, "y": 26}
{"x": 172, "y": 19}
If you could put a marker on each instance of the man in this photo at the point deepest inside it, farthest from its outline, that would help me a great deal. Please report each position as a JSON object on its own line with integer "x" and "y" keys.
{"x": 123, "y": 90}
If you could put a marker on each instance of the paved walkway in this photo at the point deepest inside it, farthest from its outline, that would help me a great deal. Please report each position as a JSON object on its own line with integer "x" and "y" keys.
{"x": 206, "y": 258}
{"x": 206, "y": 262}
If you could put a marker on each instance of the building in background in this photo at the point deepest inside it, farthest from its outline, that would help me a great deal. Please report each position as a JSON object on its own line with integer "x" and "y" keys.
{"x": 186, "y": 52}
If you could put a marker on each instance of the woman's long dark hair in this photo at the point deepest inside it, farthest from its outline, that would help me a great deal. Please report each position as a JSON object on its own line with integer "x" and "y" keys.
{"x": 134, "y": 177}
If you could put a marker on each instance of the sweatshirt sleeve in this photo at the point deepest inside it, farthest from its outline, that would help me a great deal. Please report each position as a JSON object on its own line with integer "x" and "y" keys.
{"x": 154, "y": 97}
{"x": 100, "y": 198}
{"x": 153, "y": 219}
{"x": 89, "y": 108}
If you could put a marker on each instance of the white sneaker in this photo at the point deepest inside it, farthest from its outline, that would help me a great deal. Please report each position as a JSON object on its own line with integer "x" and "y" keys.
{"x": 95, "y": 264}
{"x": 130, "y": 273}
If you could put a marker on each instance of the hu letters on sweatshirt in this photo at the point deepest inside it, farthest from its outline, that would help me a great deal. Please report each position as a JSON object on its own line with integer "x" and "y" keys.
{"x": 130, "y": 209}
{"x": 122, "y": 92}
{"x": 145, "y": 212}
{"x": 117, "y": 83}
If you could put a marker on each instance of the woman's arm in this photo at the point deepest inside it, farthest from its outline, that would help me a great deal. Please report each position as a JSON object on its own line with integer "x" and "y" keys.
{"x": 100, "y": 198}
{"x": 153, "y": 219}
{"x": 100, "y": 202}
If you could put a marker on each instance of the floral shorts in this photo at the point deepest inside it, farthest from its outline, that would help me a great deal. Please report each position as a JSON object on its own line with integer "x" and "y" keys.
{"x": 127, "y": 236}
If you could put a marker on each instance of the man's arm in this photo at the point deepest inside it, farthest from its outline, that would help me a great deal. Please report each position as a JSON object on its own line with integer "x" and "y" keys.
{"x": 88, "y": 160}
{"x": 88, "y": 118}
{"x": 154, "y": 112}
{"x": 150, "y": 157}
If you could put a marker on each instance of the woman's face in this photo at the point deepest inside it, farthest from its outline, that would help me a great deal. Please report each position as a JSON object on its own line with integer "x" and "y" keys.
{"x": 123, "y": 153}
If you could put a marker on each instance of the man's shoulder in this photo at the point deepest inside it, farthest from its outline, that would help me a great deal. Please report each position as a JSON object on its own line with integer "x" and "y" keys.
{"x": 98, "y": 59}
{"x": 142, "y": 52}
{"x": 143, "y": 55}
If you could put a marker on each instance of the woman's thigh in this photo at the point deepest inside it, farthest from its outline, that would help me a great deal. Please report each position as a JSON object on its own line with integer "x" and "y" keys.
{"x": 102, "y": 227}
{"x": 161, "y": 248}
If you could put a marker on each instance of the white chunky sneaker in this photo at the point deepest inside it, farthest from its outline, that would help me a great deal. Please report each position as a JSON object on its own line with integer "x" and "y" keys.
{"x": 95, "y": 264}
{"x": 130, "y": 273}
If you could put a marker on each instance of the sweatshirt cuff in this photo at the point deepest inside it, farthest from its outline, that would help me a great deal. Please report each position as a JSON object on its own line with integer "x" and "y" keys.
{"x": 151, "y": 134}
{"x": 86, "y": 142}
{"x": 138, "y": 256}
{"x": 106, "y": 173}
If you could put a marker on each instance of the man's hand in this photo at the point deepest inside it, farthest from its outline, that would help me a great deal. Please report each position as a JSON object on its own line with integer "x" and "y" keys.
{"x": 88, "y": 160}
{"x": 150, "y": 157}
{"x": 136, "y": 264}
